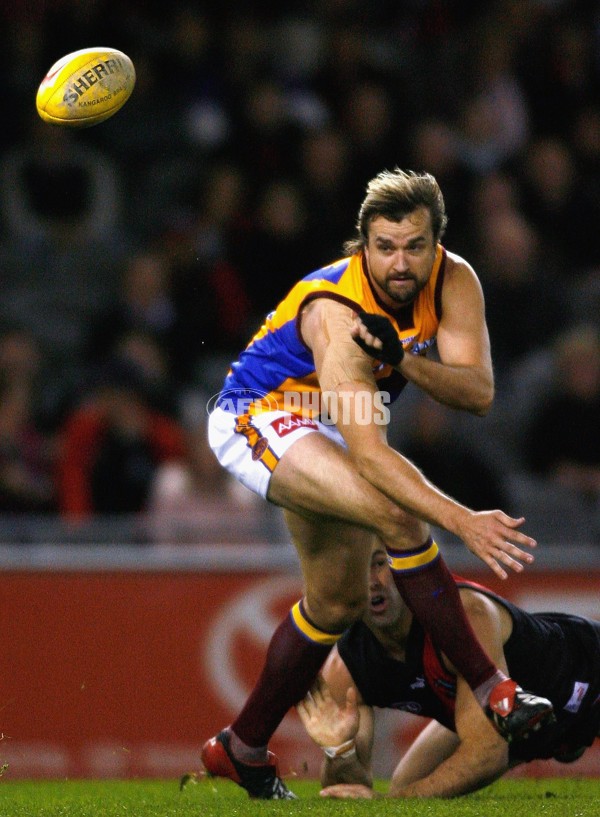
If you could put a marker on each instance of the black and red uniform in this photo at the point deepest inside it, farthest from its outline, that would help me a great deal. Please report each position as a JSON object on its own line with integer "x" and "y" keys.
{"x": 554, "y": 655}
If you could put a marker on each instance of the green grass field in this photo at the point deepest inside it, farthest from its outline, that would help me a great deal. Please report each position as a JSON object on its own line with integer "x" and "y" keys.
{"x": 208, "y": 798}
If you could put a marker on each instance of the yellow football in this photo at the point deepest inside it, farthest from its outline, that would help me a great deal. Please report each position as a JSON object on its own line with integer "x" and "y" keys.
{"x": 85, "y": 87}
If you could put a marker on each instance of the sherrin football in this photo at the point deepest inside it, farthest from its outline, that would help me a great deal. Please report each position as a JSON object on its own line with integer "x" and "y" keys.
{"x": 85, "y": 87}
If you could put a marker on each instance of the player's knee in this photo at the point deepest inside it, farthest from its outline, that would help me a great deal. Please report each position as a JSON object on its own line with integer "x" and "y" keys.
{"x": 337, "y": 614}
{"x": 399, "y": 529}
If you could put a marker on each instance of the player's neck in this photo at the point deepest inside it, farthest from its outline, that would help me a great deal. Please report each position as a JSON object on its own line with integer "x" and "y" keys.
{"x": 393, "y": 636}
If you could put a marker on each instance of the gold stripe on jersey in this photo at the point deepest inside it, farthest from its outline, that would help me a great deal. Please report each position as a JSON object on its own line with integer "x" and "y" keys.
{"x": 277, "y": 361}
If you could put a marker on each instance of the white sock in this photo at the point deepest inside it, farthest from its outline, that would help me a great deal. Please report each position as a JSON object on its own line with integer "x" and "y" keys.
{"x": 245, "y": 753}
{"x": 483, "y": 691}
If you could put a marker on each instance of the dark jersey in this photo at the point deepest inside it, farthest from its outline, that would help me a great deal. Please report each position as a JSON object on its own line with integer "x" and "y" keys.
{"x": 553, "y": 655}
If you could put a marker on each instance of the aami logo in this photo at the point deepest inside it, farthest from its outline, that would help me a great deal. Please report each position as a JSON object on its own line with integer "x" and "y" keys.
{"x": 285, "y": 425}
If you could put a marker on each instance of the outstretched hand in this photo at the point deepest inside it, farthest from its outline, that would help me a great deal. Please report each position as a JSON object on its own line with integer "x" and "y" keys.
{"x": 325, "y": 721}
{"x": 494, "y": 538}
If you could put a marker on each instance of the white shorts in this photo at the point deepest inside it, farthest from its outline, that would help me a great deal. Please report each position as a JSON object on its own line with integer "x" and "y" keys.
{"x": 250, "y": 446}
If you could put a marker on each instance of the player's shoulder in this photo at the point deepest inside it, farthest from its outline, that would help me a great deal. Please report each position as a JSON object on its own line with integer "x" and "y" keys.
{"x": 326, "y": 303}
{"x": 323, "y": 311}
{"x": 474, "y": 599}
{"x": 482, "y": 605}
{"x": 457, "y": 265}
{"x": 459, "y": 274}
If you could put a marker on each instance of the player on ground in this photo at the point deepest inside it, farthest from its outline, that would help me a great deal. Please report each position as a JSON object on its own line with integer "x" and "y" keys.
{"x": 341, "y": 485}
{"x": 387, "y": 660}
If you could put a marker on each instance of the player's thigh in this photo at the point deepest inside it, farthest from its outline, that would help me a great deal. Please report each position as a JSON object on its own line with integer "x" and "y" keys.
{"x": 335, "y": 558}
{"x": 316, "y": 478}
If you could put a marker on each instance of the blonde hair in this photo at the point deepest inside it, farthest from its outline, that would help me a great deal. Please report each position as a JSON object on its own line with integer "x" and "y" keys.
{"x": 395, "y": 194}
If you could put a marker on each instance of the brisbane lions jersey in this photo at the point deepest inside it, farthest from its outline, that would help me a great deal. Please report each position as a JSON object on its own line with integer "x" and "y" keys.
{"x": 277, "y": 361}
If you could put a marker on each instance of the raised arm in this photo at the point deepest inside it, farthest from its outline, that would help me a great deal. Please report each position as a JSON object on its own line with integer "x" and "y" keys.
{"x": 336, "y": 719}
{"x": 463, "y": 377}
{"x": 345, "y": 374}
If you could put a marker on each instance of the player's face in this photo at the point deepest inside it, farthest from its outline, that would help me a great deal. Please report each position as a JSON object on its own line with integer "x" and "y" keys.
{"x": 400, "y": 256}
{"x": 385, "y": 603}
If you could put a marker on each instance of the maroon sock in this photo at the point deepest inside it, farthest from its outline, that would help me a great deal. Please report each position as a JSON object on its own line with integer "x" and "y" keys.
{"x": 429, "y": 590}
{"x": 292, "y": 663}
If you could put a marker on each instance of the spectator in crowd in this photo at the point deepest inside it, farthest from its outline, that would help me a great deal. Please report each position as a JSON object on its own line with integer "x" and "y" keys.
{"x": 265, "y": 133}
{"x": 494, "y": 123}
{"x": 560, "y": 55}
{"x": 20, "y": 359}
{"x": 451, "y": 460}
{"x": 563, "y": 438}
{"x": 554, "y": 197}
{"x": 142, "y": 350}
{"x": 25, "y": 371}
{"x": 370, "y": 120}
{"x": 27, "y": 450}
{"x": 325, "y": 172}
{"x": 522, "y": 305}
{"x": 112, "y": 445}
{"x": 434, "y": 149}
{"x": 308, "y": 100}
{"x": 143, "y": 303}
{"x": 207, "y": 247}
{"x": 279, "y": 246}
{"x": 26, "y": 455}
{"x": 195, "y": 497}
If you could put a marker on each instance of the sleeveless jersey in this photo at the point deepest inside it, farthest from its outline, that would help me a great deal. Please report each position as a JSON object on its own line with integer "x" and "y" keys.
{"x": 553, "y": 655}
{"x": 277, "y": 361}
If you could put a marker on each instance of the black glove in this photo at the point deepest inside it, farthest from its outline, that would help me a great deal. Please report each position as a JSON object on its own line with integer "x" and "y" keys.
{"x": 380, "y": 327}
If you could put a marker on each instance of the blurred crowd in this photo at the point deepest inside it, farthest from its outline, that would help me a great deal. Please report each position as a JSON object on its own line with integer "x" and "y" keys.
{"x": 137, "y": 257}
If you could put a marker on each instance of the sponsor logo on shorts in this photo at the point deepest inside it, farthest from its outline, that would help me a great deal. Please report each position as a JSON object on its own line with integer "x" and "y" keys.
{"x": 285, "y": 425}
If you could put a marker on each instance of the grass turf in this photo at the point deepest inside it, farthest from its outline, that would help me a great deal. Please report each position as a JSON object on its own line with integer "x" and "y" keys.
{"x": 560, "y": 797}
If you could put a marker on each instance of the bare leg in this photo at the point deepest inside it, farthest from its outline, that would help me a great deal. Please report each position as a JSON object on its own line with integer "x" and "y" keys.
{"x": 332, "y": 513}
{"x": 419, "y": 572}
{"x": 334, "y": 558}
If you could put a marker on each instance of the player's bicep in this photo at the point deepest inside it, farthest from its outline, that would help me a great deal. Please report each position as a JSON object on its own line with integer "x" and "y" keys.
{"x": 462, "y": 337}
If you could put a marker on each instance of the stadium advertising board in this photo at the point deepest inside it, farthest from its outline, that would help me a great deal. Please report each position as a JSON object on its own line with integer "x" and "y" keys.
{"x": 124, "y": 673}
